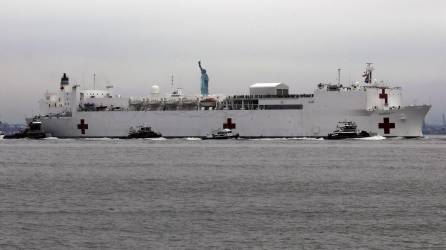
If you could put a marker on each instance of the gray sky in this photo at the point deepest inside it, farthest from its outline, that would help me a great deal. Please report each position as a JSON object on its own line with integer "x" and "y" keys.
{"x": 134, "y": 44}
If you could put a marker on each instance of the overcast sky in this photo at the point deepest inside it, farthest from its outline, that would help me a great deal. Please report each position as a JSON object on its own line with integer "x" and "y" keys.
{"x": 135, "y": 44}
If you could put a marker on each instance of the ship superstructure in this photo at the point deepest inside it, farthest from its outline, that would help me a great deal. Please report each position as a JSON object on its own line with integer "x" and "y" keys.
{"x": 269, "y": 110}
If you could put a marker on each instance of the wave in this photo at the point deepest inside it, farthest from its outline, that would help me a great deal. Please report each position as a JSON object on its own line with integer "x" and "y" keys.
{"x": 397, "y": 138}
{"x": 267, "y": 139}
{"x": 99, "y": 139}
{"x": 157, "y": 139}
{"x": 307, "y": 138}
{"x": 193, "y": 139}
{"x": 286, "y": 139}
{"x": 372, "y": 138}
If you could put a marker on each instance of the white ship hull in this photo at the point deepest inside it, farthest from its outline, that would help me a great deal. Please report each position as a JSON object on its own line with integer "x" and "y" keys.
{"x": 268, "y": 111}
{"x": 407, "y": 122}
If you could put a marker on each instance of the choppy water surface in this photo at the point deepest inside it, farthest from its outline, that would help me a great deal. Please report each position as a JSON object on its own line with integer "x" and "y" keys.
{"x": 187, "y": 193}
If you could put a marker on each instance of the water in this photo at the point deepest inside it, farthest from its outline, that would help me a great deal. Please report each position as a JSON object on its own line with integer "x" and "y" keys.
{"x": 187, "y": 193}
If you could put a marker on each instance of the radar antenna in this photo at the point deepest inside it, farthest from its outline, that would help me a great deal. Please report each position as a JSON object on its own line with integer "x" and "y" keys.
{"x": 368, "y": 73}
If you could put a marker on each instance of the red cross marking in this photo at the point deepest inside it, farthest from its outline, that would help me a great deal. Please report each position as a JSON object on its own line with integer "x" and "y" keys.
{"x": 386, "y": 125}
{"x": 229, "y": 124}
{"x": 82, "y": 126}
{"x": 384, "y": 96}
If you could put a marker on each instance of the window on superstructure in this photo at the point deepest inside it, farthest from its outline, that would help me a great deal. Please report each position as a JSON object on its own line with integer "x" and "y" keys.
{"x": 284, "y": 106}
{"x": 282, "y": 92}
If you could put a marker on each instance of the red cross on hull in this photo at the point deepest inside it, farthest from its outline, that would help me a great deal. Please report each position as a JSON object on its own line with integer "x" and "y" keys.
{"x": 229, "y": 124}
{"x": 386, "y": 125}
{"x": 384, "y": 96}
{"x": 82, "y": 126}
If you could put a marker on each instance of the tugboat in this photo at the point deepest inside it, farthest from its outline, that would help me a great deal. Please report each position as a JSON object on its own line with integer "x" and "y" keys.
{"x": 33, "y": 131}
{"x": 1, "y": 132}
{"x": 222, "y": 134}
{"x": 143, "y": 132}
{"x": 346, "y": 130}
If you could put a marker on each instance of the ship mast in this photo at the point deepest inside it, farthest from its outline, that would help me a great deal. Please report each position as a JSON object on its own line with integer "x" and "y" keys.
{"x": 94, "y": 81}
{"x": 339, "y": 76}
{"x": 171, "y": 83}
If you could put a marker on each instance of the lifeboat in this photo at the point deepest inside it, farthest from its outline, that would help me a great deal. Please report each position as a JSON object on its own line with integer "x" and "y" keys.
{"x": 208, "y": 102}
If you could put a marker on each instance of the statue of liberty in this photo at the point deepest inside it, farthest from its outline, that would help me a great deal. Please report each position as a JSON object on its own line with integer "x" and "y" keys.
{"x": 204, "y": 81}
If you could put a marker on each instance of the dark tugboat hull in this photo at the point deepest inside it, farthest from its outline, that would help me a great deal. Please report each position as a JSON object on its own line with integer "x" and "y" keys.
{"x": 362, "y": 134}
{"x": 26, "y": 135}
{"x": 143, "y": 135}
{"x": 223, "y": 138}
{"x": 143, "y": 132}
